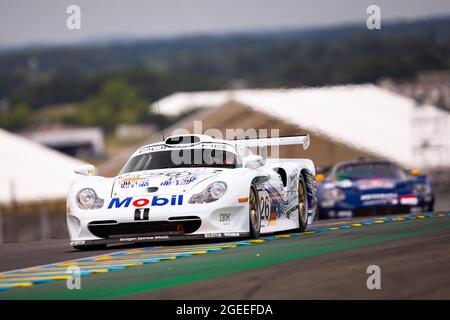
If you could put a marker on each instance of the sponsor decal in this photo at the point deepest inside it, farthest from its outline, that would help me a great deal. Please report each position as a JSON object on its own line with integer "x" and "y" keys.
{"x": 409, "y": 199}
{"x": 77, "y": 242}
{"x": 213, "y": 235}
{"x": 143, "y": 238}
{"x": 293, "y": 177}
{"x": 231, "y": 234}
{"x": 141, "y": 214}
{"x": 153, "y": 201}
{"x": 134, "y": 183}
{"x": 172, "y": 174}
{"x": 378, "y": 196}
{"x": 379, "y": 199}
{"x": 290, "y": 210}
{"x": 225, "y": 218}
{"x": 168, "y": 237}
{"x": 179, "y": 181}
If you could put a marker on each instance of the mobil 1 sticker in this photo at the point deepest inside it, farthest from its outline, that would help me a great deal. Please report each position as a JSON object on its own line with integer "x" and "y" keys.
{"x": 141, "y": 214}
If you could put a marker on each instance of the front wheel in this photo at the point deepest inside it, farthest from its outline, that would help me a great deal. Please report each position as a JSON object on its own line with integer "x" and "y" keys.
{"x": 302, "y": 205}
{"x": 254, "y": 213}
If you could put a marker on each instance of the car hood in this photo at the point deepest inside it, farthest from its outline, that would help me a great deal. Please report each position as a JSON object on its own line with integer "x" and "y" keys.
{"x": 363, "y": 184}
{"x": 375, "y": 183}
{"x": 167, "y": 181}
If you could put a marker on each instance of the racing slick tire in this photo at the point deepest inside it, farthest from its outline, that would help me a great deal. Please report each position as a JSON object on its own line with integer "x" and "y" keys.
{"x": 254, "y": 212}
{"x": 91, "y": 247}
{"x": 302, "y": 205}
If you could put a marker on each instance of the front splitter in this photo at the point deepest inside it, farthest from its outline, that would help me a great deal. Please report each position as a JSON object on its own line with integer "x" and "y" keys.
{"x": 158, "y": 238}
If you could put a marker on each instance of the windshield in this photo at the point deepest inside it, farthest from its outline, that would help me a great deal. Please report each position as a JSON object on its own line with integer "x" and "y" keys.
{"x": 357, "y": 171}
{"x": 181, "y": 158}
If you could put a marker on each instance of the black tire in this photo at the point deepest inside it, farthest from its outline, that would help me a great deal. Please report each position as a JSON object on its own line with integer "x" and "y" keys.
{"x": 302, "y": 205}
{"x": 254, "y": 213}
{"x": 91, "y": 247}
{"x": 430, "y": 207}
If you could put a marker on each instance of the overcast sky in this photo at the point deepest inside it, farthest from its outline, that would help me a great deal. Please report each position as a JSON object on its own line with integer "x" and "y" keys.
{"x": 24, "y": 22}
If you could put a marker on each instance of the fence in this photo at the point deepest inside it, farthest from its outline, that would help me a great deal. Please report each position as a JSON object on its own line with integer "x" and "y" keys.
{"x": 33, "y": 221}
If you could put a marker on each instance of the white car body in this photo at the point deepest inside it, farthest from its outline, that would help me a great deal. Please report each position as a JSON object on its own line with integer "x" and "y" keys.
{"x": 153, "y": 205}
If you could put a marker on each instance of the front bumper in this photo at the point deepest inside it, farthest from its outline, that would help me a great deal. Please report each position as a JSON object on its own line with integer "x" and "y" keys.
{"x": 374, "y": 202}
{"x": 119, "y": 225}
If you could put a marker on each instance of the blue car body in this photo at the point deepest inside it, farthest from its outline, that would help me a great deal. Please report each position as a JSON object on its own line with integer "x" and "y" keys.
{"x": 371, "y": 187}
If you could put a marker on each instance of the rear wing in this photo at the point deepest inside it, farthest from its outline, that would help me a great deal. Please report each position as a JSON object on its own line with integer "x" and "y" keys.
{"x": 268, "y": 142}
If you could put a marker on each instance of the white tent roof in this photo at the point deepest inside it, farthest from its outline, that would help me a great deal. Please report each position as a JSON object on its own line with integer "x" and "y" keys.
{"x": 32, "y": 172}
{"x": 366, "y": 117}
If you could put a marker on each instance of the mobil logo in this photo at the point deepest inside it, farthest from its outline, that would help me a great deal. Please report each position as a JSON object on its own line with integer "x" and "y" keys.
{"x": 154, "y": 201}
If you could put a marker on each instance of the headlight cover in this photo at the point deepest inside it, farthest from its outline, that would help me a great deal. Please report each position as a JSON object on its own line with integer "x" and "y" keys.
{"x": 87, "y": 199}
{"x": 212, "y": 192}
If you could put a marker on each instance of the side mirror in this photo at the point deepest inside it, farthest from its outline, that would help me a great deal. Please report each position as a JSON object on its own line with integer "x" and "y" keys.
{"x": 253, "y": 161}
{"x": 319, "y": 177}
{"x": 86, "y": 170}
{"x": 415, "y": 172}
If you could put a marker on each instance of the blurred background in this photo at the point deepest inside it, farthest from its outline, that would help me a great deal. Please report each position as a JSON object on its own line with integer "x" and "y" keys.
{"x": 135, "y": 68}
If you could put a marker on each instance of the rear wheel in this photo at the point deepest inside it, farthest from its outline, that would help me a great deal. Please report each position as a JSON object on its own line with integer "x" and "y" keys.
{"x": 302, "y": 205}
{"x": 254, "y": 213}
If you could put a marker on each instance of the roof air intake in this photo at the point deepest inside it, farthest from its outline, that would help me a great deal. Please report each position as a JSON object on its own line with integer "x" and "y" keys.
{"x": 182, "y": 140}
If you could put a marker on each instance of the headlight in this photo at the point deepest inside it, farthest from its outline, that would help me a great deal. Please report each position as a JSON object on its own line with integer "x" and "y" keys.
{"x": 334, "y": 194}
{"x": 217, "y": 190}
{"x": 88, "y": 199}
{"x": 421, "y": 188}
{"x": 211, "y": 193}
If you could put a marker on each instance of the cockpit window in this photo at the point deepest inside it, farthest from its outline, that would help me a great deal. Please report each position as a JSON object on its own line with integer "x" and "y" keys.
{"x": 182, "y": 158}
{"x": 357, "y": 171}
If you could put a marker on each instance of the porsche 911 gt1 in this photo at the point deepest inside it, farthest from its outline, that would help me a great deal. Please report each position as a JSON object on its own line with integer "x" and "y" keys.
{"x": 193, "y": 187}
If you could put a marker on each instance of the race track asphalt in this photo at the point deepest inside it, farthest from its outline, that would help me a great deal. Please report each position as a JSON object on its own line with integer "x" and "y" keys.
{"x": 330, "y": 262}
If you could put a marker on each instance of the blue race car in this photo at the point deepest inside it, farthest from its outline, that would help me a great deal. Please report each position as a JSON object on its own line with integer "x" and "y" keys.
{"x": 370, "y": 187}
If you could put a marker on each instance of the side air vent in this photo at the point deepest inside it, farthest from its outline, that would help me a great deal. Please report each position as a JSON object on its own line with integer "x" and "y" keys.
{"x": 182, "y": 140}
{"x": 184, "y": 218}
{"x": 103, "y": 222}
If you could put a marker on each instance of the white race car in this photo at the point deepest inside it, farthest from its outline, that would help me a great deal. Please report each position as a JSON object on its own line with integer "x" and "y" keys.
{"x": 193, "y": 187}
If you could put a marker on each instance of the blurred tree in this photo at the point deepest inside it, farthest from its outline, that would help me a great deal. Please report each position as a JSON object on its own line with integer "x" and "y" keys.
{"x": 17, "y": 118}
{"x": 117, "y": 102}
{"x": 151, "y": 69}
